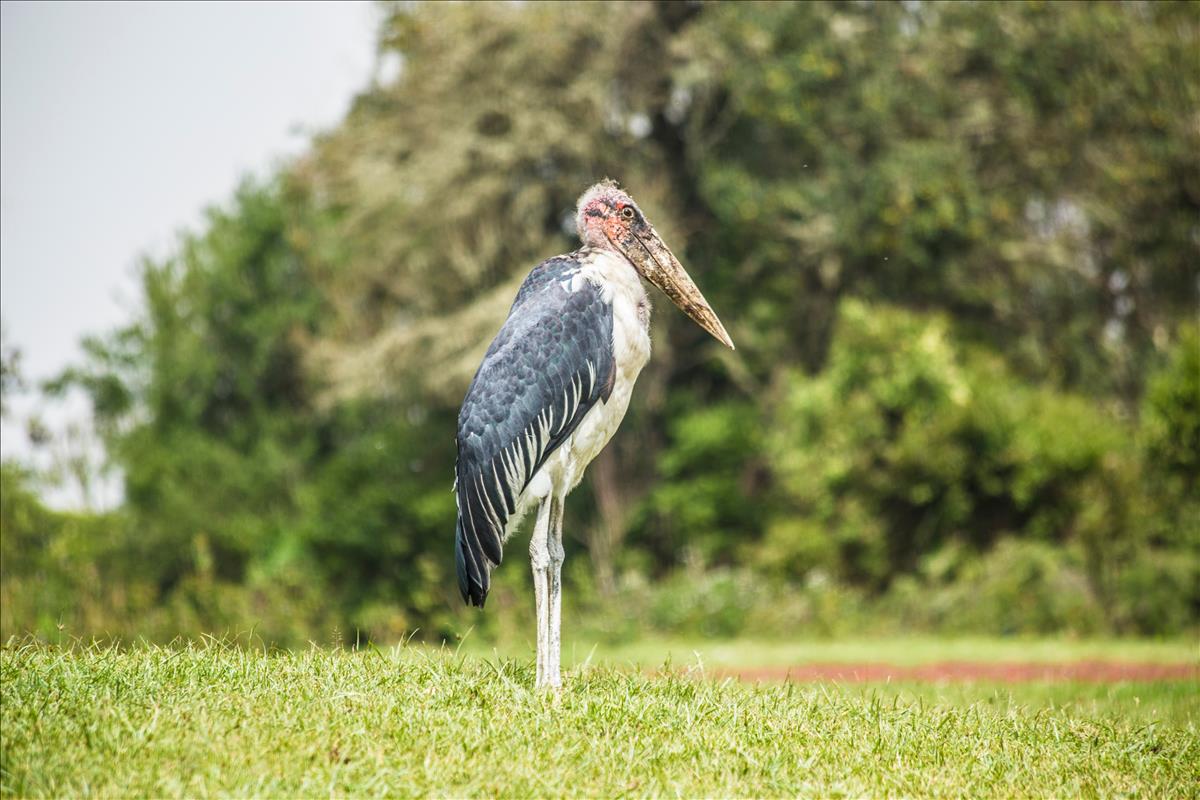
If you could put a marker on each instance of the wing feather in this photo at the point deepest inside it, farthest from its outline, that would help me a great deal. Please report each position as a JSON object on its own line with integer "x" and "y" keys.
{"x": 549, "y": 364}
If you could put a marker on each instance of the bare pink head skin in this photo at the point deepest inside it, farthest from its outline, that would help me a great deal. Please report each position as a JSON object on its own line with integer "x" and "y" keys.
{"x": 607, "y": 218}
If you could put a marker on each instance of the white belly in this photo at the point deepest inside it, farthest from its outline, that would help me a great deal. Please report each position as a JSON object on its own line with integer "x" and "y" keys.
{"x": 631, "y": 343}
{"x": 564, "y": 469}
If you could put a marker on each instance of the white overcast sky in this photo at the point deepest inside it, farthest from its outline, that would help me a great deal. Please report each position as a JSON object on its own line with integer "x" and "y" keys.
{"x": 121, "y": 122}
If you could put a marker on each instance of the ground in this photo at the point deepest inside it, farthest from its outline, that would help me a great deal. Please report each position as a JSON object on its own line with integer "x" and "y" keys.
{"x": 215, "y": 719}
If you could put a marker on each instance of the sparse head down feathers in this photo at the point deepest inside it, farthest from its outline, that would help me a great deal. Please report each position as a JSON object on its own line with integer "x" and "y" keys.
{"x": 602, "y": 197}
{"x": 596, "y": 190}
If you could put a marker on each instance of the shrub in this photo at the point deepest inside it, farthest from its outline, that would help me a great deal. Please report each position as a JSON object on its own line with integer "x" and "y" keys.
{"x": 1158, "y": 593}
{"x": 908, "y": 442}
{"x": 1018, "y": 587}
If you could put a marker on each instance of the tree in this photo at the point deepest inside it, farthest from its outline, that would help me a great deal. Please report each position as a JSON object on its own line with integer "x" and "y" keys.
{"x": 11, "y": 379}
{"x": 890, "y": 204}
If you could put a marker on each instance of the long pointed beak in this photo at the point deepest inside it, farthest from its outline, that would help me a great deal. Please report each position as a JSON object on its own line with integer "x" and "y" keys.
{"x": 650, "y": 254}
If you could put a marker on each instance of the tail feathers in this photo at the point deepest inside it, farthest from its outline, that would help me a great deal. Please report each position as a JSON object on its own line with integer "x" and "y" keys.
{"x": 474, "y": 578}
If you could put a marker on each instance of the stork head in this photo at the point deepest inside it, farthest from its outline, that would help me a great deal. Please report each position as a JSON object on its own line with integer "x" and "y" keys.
{"x": 608, "y": 219}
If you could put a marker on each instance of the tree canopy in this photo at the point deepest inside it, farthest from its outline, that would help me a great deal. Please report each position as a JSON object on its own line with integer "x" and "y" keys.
{"x": 956, "y": 244}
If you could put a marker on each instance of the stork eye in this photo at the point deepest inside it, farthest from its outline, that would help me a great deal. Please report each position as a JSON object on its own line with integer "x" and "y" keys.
{"x": 627, "y": 212}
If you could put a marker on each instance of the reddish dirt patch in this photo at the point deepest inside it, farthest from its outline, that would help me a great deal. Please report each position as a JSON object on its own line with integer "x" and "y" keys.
{"x": 960, "y": 671}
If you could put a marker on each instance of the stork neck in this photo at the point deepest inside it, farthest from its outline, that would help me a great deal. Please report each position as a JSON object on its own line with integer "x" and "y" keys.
{"x": 608, "y": 260}
{"x": 615, "y": 276}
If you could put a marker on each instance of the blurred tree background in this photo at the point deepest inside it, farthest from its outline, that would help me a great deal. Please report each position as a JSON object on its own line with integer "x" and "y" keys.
{"x": 958, "y": 246}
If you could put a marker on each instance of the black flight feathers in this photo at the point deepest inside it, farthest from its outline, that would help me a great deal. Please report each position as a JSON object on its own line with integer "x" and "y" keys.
{"x": 549, "y": 364}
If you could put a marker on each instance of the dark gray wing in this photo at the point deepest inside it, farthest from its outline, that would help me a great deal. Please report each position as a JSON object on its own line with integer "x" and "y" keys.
{"x": 550, "y": 363}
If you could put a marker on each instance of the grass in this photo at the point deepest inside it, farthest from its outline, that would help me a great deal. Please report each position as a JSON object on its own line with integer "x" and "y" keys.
{"x": 897, "y": 651}
{"x": 214, "y": 719}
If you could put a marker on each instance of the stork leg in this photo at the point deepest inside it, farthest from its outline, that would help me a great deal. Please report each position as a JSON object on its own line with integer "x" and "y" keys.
{"x": 557, "y": 554}
{"x": 539, "y": 559}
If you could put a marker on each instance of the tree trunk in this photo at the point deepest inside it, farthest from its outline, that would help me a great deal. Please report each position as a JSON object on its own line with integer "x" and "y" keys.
{"x": 607, "y": 532}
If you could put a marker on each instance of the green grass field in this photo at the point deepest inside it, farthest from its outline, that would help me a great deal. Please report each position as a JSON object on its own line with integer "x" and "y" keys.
{"x": 906, "y": 651}
{"x": 218, "y": 720}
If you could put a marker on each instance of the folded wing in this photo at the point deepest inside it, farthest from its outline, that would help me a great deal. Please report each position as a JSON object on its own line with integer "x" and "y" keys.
{"x": 549, "y": 364}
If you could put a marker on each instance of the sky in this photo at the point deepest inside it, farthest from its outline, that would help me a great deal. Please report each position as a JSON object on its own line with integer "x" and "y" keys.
{"x": 119, "y": 124}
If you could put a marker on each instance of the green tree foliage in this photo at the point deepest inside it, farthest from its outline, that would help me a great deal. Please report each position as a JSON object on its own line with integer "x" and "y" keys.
{"x": 11, "y": 379}
{"x": 1027, "y": 167}
{"x": 1162, "y": 590}
{"x": 910, "y": 457}
{"x": 905, "y": 443}
{"x": 63, "y": 569}
{"x": 1171, "y": 415}
{"x": 955, "y": 243}
{"x": 203, "y": 397}
{"x": 243, "y": 490}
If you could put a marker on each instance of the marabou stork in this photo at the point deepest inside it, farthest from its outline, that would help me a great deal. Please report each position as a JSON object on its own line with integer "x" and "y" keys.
{"x": 552, "y": 390}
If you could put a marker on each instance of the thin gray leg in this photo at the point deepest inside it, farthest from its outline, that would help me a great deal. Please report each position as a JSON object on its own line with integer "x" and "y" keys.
{"x": 557, "y": 554}
{"x": 539, "y": 559}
